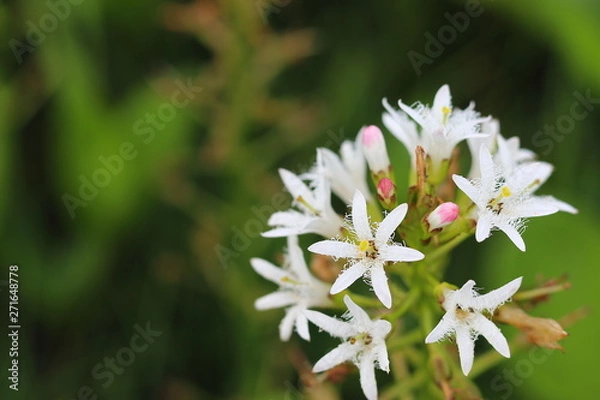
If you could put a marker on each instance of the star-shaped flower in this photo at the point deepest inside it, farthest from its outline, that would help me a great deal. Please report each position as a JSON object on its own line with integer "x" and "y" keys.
{"x": 506, "y": 152}
{"x": 464, "y": 319}
{"x": 442, "y": 127}
{"x": 345, "y": 173}
{"x": 505, "y": 199}
{"x": 370, "y": 251}
{"x": 316, "y": 214}
{"x": 363, "y": 344}
{"x": 297, "y": 288}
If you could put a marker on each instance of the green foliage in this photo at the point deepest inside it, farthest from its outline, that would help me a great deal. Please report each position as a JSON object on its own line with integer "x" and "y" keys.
{"x": 144, "y": 248}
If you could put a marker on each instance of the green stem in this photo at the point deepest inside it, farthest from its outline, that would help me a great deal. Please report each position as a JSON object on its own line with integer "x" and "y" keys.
{"x": 408, "y": 302}
{"x": 426, "y": 318}
{"x": 401, "y": 372}
{"x": 403, "y": 388}
{"x": 363, "y": 301}
{"x": 404, "y": 340}
{"x": 539, "y": 292}
{"x": 446, "y": 247}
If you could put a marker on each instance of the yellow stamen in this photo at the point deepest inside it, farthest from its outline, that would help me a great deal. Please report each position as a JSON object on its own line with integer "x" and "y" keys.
{"x": 364, "y": 245}
{"x": 446, "y": 112}
{"x": 287, "y": 279}
{"x": 306, "y": 204}
{"x": 506, "y": 192}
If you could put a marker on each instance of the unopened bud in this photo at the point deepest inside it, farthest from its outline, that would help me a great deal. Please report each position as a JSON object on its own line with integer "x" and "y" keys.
{"x": 386, "y": 192}
{"x": 375, "y": 150}
{"x": 543, "y": 332}
{"x": 443, "y": 215}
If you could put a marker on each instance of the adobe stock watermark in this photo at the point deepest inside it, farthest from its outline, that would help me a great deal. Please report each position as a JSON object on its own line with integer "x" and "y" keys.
{"x": 106, "y": 371}
{"x": 446, "y": 35}
{"x": 580, "y": 109}
{"x": 504, "y": 384}
{"x": 145, "y": 130}
{"x": 243, "y": 235}
{"x": 36, "y": 32}
{"x": 268, "y": 7}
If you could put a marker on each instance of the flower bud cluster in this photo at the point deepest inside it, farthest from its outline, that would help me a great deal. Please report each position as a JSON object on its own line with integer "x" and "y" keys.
{"x": 398, "y": 241}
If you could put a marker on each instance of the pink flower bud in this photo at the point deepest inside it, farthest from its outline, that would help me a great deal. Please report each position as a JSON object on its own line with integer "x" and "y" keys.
{"x": 386, "y": 191}
{"x": 443, "y": 215}
{"x": 374, "y": 149}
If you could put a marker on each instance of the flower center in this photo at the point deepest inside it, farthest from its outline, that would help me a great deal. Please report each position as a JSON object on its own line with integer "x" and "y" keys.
{"x": 462, "y": 313}
{"x": 365, "y": 337}
{"x": 368, "y": 248}
{"x": 495, "y": 205}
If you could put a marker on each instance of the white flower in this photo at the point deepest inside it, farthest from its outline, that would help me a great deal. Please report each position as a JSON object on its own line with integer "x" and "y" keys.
{"x": 464, "y": 319}
{"x": 490, "y": 130}
{"x": 510, "y": 154}
{"x": 364, "y": 344}
{"x": 505, "y": 199}
{"x": 297, "y": 288}
{"x": 316, "y": 214}
{"x": 370, "y": 252}
{"x": 506, "y": 152}
{"x": 346, "y": 174}
{"x": 442, "y": 127}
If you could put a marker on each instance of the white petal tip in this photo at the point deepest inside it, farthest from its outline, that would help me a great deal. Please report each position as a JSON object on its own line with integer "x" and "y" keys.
{"x": 336, "y": 290}
{"x": 518, "y": 280}
{"x": 428, "y": 340}
{"x": 318, "y": 368}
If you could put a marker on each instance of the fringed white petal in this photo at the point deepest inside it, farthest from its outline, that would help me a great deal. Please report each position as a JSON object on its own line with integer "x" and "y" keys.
{"x": 379, "y": 281}
{"x": 360, "y": 317}
{"x": 490, "y": 331}
{"x": 333, "y": 326}
{"x": 390, "y": 223}
{"x": 348, "y": 277}
{"x": 492, "y": 300}
{"x": 275, "y": 300}
{"x": 441, "y": 330}
{"x": 466, "y": 348}
{"x": 397, "y": 253}
{"x": 343, "y": 352}
{"x": 367, "y": 376}
{"x": 268, "y": 270}
{"x": 334, "y": 248}
{"x": 360, "y": 218}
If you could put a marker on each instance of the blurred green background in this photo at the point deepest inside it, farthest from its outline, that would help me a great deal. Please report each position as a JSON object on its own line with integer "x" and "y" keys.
{"x": 139, "y": 147}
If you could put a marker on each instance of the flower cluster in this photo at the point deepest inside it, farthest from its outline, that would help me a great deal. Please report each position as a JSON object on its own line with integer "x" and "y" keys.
{"x": 400, "y": 250}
